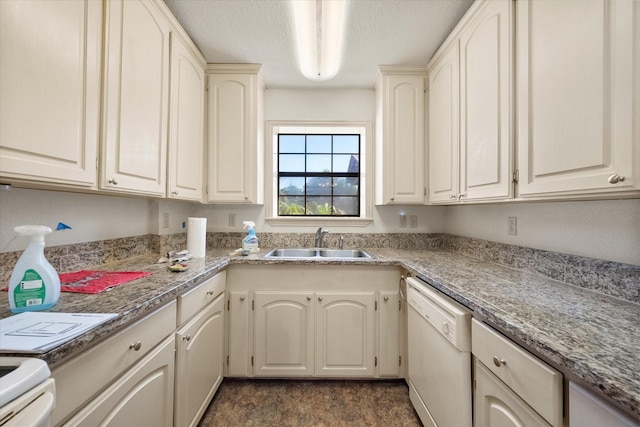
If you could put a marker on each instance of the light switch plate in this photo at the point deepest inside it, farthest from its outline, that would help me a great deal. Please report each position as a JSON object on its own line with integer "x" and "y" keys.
{"x": 512, "y": 225}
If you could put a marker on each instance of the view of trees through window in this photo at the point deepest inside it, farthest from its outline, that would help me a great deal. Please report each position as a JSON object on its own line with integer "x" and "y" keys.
{"x": 318, "y": 175}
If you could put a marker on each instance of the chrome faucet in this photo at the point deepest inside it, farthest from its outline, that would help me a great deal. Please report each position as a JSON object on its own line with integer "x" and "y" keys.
{"x": 320, "y": 233}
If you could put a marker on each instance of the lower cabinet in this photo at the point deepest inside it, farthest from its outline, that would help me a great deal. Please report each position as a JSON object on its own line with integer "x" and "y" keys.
{"x": 287, "y": 328}
{"x": 142, "y": 396}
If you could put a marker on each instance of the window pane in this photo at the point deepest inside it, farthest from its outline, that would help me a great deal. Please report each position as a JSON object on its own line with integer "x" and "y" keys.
{"x": 346, "y": 143}
{"x": 291, "y": 143}
{"x": 345, "y": 163}
{"x": 291, "y": 186}
{"x": 346, "y": 205}
{"x": 318, "y": 163}
{"x": 345, "y": 186}
{"x": 319, "y": 186}
{"x": 291, "y": 162}
{"x": 319, "y": 206}
{"x": 318, "y": 143}
{"x": 291, "y": 205}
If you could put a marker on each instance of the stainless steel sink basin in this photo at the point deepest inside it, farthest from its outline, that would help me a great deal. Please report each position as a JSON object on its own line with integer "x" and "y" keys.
{"x": 314, "y": 253}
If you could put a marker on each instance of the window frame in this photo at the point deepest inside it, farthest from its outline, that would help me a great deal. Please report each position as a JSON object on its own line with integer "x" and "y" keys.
{"x": 364, "y": 129}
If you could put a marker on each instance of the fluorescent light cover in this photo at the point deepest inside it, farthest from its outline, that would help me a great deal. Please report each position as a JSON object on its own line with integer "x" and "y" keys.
{"x": 319, "y": 25}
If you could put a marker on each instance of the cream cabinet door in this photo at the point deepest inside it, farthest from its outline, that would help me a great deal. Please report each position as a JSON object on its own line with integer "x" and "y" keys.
{"x": 345, "y": 334}
{"x": 142, "y": 396}
{"x": 486, "y": 145}
{"x": 389, "y": 332}
{"x": 186, "y": 123}
{"x": 235, "y": 137}
{"x": 136, "y": 95}
{"x": 199, "y": 363}
{"x": 50, "y": 91}
{"x": 577, "y": 128}
{"x": 240, "y": 335}
{"x": 400, "y": 137}
{"x": 495, "y": 405}
{"x": 444, "y": 143}
{"x": 284, "y": 334}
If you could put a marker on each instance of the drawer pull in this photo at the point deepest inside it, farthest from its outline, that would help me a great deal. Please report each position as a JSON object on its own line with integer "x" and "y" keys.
{"x": 137, "y": 346}
{"x": 187, "y": 337}
{"x": 498, "y": 362}
{"x": 386, "y": 299}
{"x": 210, "y": 292}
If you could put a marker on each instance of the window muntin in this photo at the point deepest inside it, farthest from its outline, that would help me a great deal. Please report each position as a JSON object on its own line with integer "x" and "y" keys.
{"x": 319, "y": 175}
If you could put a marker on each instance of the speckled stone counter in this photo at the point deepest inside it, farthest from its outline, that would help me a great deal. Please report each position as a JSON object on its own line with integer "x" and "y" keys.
{"x": 590, "y": 337}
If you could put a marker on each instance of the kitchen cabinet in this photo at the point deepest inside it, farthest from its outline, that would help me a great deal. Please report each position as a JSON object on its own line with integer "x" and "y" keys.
{"x": 199, "y": 349}
{"x": 143, "y": 396}
{"x": 512, "y": 387}
{"x": 470, "y": 81}
{"x": 284, "y": 333}
{"x": 134, "y": 367}
{"x": 136, "y": 95}
{"x": 313, "y": 325}
{"x": 400, "y": 137}
{"x": 588, "y": 410}
{"x": 235, "y": 133}
{"x": 186, "y": 122}
{"x": 575, "y": 98}
{"x": 50, "y": 83}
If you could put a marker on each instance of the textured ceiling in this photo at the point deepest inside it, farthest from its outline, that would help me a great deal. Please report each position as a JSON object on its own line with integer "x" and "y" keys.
{"x": 378, "y": 32}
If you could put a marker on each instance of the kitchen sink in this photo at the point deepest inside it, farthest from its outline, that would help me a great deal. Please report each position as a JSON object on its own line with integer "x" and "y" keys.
{"x": 314, "y": 253}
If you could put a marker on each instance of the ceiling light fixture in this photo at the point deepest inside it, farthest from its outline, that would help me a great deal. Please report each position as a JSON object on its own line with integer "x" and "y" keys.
{"x": 319, "y": 25}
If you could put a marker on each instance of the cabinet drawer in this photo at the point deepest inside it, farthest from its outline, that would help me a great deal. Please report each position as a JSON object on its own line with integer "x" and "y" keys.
{"x": 80, "y": 378}
{"x": 200, "y": 296}
{"x": 534, "y": 381}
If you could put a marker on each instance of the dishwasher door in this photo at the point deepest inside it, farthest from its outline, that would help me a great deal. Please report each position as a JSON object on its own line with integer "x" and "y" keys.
{"x": 439, "y": 372}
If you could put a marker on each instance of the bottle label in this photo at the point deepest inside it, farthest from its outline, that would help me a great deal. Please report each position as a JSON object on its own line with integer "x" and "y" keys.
{"x": 30, "y": 291}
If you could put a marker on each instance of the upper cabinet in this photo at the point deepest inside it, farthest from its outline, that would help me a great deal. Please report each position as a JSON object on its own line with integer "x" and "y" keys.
{"x": 577, "y": 95}
{"x": 470, "y": 114}
{"x": 235, "y": 133}
{"x": 136, "y": 98}
{"x": 400, "y": 138}
{"x": 50, "y": 85}
{"x": 186, "y": 122}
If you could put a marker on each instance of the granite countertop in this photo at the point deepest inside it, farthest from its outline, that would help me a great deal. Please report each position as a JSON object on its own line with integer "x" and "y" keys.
{"x": 590, "y": 337}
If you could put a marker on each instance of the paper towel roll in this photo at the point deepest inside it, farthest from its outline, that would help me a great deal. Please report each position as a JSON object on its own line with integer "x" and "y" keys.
{"x": 196, "y": 236}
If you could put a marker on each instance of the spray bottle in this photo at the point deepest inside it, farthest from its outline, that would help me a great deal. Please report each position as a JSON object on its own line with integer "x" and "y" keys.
{"x": 250, "y": 242}
{"x": 34, "y": 283}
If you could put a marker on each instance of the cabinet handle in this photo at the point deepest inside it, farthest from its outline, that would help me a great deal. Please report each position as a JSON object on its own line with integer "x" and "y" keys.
{"x": 386, "y": 299}
{"x": 242, "y": 298}
{"x": 246, "y": 197}
{"x": 187, "y": 337}
{"x": 460, "y": 196}
{"x": 615, "y": 178}
{"x": 392, "y": 199}
{"x": 319, "y": 298}
{"x": 175, "y": 193}
{"x": 113, "y": 181}
{"x": 211, "y": 292}
{"x": 136, "y": 346}
{"x": 498, "y": 362}
{"x": 308, "y": 298}
{"x": 453, "y": 196}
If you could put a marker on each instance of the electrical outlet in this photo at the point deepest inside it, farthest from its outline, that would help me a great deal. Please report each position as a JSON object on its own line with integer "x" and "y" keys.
{"x": 232, "y": 220}
{"x": 403, "y": 221}
{"x": 413, "y": 221}
{"x": 513, "y": 225}
{"x": 165, "y": 220}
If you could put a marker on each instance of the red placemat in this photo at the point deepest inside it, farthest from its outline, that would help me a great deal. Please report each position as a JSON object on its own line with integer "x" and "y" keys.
{"x": 96, "y": 281}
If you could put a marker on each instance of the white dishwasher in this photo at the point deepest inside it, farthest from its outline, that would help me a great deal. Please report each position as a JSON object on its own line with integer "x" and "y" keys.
{"x": 439, "y": 345}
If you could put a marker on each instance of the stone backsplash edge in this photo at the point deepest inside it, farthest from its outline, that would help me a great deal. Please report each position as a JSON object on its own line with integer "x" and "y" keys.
{"x": 611, "y": 278}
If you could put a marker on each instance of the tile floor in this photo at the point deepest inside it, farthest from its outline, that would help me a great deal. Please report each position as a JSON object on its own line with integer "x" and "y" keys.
{"x": 310, "y": 403}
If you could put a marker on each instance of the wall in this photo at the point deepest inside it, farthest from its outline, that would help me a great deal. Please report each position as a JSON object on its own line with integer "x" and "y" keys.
{"x": 607, "y": 229}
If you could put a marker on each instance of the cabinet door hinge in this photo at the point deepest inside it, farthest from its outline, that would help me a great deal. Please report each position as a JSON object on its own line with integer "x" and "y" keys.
{"x": 399, "y": 305}
{"x": 376, "y": 306}
{"x": 375, "y": 361}
{"x": 399, "y": 360}
{"x": 228, "y": 304}
{"x": 227, "y": 360}
{"x": 516, "y": 175}
{"x": 425, "y": 191}
{"x": 253, "y": 304}
{"x": 251, "y": 360}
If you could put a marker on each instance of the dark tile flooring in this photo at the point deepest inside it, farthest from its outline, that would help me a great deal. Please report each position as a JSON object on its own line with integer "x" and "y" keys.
{"x": 310, "y": 403}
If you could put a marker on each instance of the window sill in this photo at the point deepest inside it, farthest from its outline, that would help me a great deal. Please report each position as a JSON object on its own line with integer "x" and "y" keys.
{"x": 318, "y": 221}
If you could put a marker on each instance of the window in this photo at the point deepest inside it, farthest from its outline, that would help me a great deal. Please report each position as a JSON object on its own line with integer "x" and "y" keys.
{"x": 318, "y": 174}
